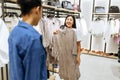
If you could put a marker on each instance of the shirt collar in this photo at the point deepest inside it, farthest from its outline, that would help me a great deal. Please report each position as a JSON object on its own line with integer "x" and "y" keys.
{"x": 26, "y": 25}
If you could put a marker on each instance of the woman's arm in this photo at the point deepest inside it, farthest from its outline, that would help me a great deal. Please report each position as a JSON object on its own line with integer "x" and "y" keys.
{"x": 78, "y": 51}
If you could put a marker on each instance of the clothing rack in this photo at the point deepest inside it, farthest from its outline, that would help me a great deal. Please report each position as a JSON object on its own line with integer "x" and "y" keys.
{"x": 4, "y": 7}
{"x": 58, "y": 12}
{"x": 46, "y": 9}
{"x": 108, "y": 16}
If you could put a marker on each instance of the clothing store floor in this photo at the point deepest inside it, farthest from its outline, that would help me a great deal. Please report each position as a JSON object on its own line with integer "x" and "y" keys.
{"x": 98, "y": 68}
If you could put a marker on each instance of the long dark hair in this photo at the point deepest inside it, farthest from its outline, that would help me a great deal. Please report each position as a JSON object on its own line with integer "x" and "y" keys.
{"x": 74, "y": 21}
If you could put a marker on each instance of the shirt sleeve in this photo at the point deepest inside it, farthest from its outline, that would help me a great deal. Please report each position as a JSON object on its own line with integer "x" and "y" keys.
{"x": 35, "y": 61}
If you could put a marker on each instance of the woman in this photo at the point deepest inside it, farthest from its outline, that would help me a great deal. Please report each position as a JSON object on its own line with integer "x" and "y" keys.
{"x": 66, "y": 49}
{"x": 70, "y": 22}
{"x": 26, "y": 52}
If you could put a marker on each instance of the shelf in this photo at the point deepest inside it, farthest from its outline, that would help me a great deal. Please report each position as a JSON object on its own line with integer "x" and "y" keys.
{"x": 106, "y": 13}
{"x": 100, "y": 13}
{"x": 11, "y": 1}
{"x": 12, "y": 8}
{"x": 114, "y": 13}
{"x": 59, "y": 9}
{"x": 51, "y": 7}
{"x": 48, "y": 7}
{"x": 106, "y": 55}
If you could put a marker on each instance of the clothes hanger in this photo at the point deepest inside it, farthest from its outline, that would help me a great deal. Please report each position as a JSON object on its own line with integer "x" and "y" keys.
{"x": 98, "y": 18}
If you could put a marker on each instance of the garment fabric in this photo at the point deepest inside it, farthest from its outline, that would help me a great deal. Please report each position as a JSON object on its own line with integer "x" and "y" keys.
{"x": 82, "y": 33}
{"x": 97, "y": 43}
{"x": 112, "y": 41}
{"x": 46, "y": 27}
{"x": 114, "y": 26}
{"x": 11, "y": 22}
{"x": 27, "y": 54}
{"x": 4, "y": 33}
{"x": 112, "y": 30}
{"x": 111, "y": 46}
{"x": 65, "y": 50}
{"x": 97, "y": 28}
{"x": 117, "y": 30}
{"x": 81, "y": 28}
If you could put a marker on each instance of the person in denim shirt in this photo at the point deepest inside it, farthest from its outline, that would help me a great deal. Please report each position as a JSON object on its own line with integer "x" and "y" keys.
{"x": 26, "y": 52}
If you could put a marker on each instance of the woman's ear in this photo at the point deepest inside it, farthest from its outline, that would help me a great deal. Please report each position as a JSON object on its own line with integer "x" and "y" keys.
{"x": 37, "y": 9}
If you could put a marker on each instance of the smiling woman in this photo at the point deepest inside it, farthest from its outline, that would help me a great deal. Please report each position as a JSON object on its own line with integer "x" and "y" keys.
{"x": 67, "y": 49}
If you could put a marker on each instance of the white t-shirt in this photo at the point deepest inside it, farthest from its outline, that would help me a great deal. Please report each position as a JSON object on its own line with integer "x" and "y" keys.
{"x": 78, "y": 34}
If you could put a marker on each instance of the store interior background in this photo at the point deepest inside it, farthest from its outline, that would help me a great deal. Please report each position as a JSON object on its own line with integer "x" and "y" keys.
{"x": 86, "y": 13}
{"x": 92, "y": 67}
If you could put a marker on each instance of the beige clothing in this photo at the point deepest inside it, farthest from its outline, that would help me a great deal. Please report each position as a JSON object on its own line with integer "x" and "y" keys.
{"x": 64, "y": 50}
{"x": 46, "y": 27}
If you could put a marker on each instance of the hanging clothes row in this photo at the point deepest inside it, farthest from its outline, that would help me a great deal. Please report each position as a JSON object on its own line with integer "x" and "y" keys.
{"x": 102, "y": 32}
{"x": 11, "y": 20}
{"x": 97, "y": 30}
{"x": 4, "y": 33}
{"x": 112, "y": 36}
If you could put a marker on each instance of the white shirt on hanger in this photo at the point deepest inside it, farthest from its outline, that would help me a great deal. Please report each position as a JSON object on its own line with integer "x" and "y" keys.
{"x": 81, "y": 28}
{"x": 97, "y": 28}
{"x": 4, "y": 33}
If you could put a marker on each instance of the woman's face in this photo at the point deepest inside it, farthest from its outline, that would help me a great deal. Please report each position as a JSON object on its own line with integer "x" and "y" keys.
{"x": 69, "y": 22}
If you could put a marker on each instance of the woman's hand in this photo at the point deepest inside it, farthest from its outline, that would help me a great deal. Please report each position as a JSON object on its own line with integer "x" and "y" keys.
{"x": 56, "y": 32}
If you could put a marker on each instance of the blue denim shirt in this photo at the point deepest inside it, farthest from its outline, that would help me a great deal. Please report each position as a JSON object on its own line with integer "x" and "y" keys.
{"x": 27, "y": 54}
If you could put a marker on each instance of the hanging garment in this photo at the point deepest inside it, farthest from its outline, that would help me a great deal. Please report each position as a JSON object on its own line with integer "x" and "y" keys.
{"x": 114, "y": 24}
{"x": 107, "y": 34}
{"x": 11, "y": 22}
{"x": 4, "y": 33}
{"x": 97, "y": 31}
{"x": 43, "y": 30}
{"x": 46, "y": 27}
{"x": 82, "y": 33}
{"x": 111, "y": 46}
{"x": 97, "y": 28}
{"x": 97, "y": 43}
{"x": 117, "y": 38}
{"x": 64, "y": 50}
{"x": 81, "y": 29}
{"x": 62, "y": 20}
